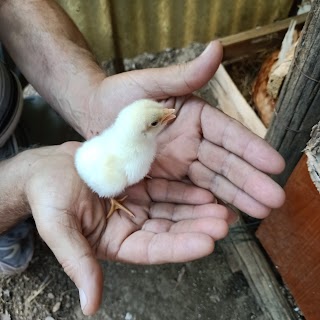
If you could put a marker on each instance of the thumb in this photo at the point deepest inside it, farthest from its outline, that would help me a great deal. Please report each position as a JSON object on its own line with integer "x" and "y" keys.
{"x": 72, "y": 250}
{"x": 183, "y": 78}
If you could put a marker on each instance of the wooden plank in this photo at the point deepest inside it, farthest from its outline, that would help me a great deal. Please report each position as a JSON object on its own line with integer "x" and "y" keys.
{"x": 259, "y": 39}
{"x": 297, "y": 109}
{"x": 231, "y": 102}
{"x": 291, "y": 237}
{"x": 244, "y": 254}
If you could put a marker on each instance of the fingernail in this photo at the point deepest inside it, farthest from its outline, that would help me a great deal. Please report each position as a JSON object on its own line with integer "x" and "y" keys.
{"x": 83, "y": 299}
{"x": 206, "y": 49}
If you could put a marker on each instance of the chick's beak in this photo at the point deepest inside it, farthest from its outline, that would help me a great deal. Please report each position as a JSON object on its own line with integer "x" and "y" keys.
{"x": 168, "y": 114}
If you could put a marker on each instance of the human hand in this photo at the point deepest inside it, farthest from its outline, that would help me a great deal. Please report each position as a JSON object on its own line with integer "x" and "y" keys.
{"x": 213, "y": 151}
{"x": 174, "y": 221}
{"x": 219, "y": 154}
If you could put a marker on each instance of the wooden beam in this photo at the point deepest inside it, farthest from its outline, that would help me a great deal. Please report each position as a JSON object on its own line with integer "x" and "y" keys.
{"x": 244, "y": 254}
{"x": 297, "y": 109}
{"x": 263, "y": 38}
{"x": 231, "y": 102}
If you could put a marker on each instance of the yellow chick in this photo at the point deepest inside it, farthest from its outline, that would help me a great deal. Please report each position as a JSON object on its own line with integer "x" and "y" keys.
{"x": 122, "y": 154}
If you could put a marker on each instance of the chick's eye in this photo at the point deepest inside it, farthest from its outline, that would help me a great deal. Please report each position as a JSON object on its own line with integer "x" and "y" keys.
{"x": 154, "y": 123}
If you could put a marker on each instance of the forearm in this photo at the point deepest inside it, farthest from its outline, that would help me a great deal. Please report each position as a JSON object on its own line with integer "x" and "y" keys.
{"x": 13, "y": 202}
{"x": 53, "y": 55}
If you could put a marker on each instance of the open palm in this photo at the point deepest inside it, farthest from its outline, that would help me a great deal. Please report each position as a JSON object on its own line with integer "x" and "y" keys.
{"x": 203, "y": 145}
{"x": 218, "y": 154}
{"x": 175, "y": 221}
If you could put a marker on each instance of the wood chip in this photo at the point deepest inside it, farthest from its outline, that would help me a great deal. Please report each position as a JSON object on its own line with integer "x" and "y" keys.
{"x": 56, "y": 307}
{"x": 5, "y": 316}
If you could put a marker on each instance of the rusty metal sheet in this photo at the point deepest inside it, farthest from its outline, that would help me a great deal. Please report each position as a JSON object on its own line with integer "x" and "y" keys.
{"x": 130, "y": 27}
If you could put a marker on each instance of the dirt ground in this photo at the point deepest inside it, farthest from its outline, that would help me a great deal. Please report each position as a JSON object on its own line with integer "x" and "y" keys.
{"x": 204, "y": 289}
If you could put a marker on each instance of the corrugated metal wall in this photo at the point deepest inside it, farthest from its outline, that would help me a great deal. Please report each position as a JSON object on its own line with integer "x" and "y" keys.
{"x": 130, "y": 27}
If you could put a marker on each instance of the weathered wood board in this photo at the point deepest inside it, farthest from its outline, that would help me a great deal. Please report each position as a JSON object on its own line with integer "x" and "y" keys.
{"x": 297, "y": 109}
{"x": 259, "y": 39}
{"x": 232, "y": 103}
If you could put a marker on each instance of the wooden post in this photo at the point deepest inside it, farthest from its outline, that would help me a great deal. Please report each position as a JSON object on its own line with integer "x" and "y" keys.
{"x": 298, "y": 107}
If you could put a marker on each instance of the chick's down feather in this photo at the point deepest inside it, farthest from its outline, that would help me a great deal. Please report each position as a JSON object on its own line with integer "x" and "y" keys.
{"x": 122, "y": 154}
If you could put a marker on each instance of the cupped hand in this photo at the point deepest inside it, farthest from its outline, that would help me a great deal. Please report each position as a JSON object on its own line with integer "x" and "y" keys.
{"x": 219, "y": 154}
{"x": 174, "y": 221}
{"x": 203, "y": 145}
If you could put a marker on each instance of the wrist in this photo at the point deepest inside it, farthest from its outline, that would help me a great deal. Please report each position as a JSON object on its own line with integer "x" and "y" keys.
{"x": 16, "y": 174}
{"x": 104, "y": 104}
{"x": 13, "y": 199}
{"x": 75, "y": 101}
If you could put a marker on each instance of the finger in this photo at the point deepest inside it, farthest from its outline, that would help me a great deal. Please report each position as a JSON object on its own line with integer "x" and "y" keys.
{"x": 215, "y": 228}
{"x": 162, "y": 190}
{"x": 224, "y": 189}
{"x": 145, "y": 247}
{"x": 173, "y": 212}
{"x": 233, "y": 136}
{"x": 252, "y": 181}
{"x": 77, "y": 259}
{"x": 180, "y": 79}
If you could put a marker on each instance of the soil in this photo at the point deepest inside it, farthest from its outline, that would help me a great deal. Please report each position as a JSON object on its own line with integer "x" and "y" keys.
{"x": 204, "y": 289}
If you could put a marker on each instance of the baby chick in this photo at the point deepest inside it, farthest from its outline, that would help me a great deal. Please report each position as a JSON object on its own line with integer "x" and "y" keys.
{"x": 122, "y": 154}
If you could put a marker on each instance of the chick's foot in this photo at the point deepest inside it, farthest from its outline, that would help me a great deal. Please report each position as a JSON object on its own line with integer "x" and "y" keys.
{"x": 116, "y": 205}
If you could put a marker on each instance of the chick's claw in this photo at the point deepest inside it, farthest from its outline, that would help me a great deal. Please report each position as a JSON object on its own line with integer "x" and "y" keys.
{"x": 116, "y": 205}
